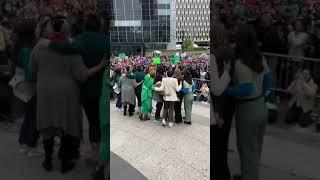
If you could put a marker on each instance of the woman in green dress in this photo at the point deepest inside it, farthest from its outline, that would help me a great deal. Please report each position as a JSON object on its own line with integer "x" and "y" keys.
{"x": 146, "y": 95}
{"x": 104, "y": 163}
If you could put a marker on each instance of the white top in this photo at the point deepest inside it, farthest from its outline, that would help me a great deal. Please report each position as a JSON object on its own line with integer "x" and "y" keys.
{"x": 170, "y": 87}
{"x": 297, "y": 43}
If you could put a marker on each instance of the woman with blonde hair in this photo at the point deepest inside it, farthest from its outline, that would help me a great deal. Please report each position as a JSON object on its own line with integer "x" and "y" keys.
{"x": 146, "y": 94}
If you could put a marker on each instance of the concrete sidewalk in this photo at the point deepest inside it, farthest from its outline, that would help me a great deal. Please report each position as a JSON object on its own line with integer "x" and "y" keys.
{"x": 181, "y": 152}
{"x": 286, "y": 155}
{"x": 16, "y": 166}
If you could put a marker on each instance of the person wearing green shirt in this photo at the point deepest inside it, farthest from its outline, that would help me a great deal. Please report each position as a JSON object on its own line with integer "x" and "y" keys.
{"x": 139, "y": 76}
{"x": 105, "y": 129}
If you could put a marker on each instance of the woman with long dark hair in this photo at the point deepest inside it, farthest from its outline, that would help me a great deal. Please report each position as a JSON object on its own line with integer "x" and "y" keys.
{"x": 188, "y": 96}
{"x": 223, "y": 104}
{"x": 158, "y": 96}
{"x": 252, "y": 80}
{"x": 178, "y": 104}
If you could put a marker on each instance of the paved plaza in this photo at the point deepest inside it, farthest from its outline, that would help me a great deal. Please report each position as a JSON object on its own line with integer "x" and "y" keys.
{"x": 163, "y": 153}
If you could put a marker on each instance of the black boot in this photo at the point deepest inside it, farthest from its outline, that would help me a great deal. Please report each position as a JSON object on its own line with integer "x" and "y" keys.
{"x": 48, "y": 148}
{"x": 65, "y": 154}
{"x": 124, "y": 110}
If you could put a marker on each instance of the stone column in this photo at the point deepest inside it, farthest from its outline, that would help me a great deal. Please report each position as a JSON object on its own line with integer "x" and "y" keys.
{"x": 173, "y": 26}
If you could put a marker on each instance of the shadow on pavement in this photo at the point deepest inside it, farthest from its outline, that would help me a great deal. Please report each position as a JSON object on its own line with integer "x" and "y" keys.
{"x": 120, "y": 169}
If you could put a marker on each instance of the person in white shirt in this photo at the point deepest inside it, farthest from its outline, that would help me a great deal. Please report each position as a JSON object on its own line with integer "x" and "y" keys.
{"x": 170, "y": 87}
{"x": 204, "y": 92}
{"x": 303, "y": 90}
{"x": 297, "y": 39}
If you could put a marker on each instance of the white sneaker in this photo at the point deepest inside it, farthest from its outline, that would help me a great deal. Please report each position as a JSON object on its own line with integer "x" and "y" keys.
{"x": 164, "y": 122}
{"x": 34, "y": 152}
{"x": 170, "y": 124}
{"x": 119, "y": 109}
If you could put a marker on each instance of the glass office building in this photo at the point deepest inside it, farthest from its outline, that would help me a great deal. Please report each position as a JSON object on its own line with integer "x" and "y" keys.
{"x": 137, "y": 25}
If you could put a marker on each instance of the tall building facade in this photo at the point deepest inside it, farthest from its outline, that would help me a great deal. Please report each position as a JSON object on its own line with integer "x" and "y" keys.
{"x": 137, "y": 25}
{"x": 193, "y": 20}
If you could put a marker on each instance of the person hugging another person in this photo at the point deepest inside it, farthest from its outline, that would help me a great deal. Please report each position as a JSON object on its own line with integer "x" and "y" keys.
{"x": 128, "y": 85}
{"x": 188, "y": 87}
{"x": 158, "y": 96}
{"x": 58, "y": 89}
{"x": 170, "y": 87}
{"x": 139, "y": 76}
{"x": 304, "y": 90}
{"x": 147, "y": 95}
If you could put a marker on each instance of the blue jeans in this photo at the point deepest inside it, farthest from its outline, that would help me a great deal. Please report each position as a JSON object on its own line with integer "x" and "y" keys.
{"x": 119, "y": 103}
{"x": 28, "y": 133}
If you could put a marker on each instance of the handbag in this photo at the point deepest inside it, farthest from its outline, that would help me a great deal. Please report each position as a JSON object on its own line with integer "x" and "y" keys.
{"x": 161, "y": 93}
{"x": 116, "y": 88}
{"x": 22, "y": 89}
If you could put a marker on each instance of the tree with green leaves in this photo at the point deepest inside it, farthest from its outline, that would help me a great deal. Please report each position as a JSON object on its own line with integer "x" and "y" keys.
{"x": 187, "y": 44}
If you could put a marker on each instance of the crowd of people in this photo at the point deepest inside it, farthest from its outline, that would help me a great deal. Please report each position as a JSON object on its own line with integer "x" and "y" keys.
{"x": 282, "y": 27}
{"x": 242, "y": 75}
{"x": 138, "y": 81}
{"x": 59, "y": 67}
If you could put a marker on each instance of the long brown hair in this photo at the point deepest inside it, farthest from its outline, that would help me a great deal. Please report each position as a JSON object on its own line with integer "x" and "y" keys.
{"x": 247, "y": 50}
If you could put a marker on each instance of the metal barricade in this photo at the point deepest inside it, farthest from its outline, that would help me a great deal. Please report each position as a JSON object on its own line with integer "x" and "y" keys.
{"x": 199, "y": 83}
{"x": 285, "y": 68}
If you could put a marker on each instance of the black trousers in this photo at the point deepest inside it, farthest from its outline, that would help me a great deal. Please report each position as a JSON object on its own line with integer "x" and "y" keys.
{"x": 131, "y": 108}
{"x": 92, "y": 110}
{"x": 177, "y": 109}
{"x": 28, "y": 133}
{"x": 168, "y": 110}
{"x": 296, "y": 115}
{"x": 158, "y": 110}
{"x": 220, "y": 141}
{"x": 138, "y": 91}
{"x": 69, "y": 146}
